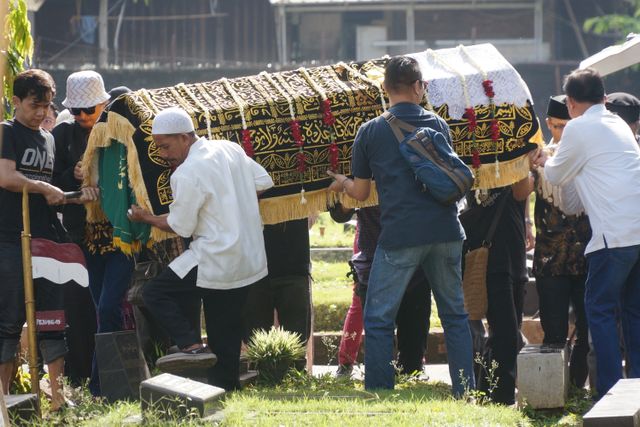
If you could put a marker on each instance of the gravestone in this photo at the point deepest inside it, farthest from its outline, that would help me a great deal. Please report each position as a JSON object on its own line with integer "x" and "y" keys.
{"x": 543, "y": 376}
{"x": 173, "y": 396}
{"x": 21, "y": 408}
{"x": 121, "y": 365}
{"x": 620, "y": 407}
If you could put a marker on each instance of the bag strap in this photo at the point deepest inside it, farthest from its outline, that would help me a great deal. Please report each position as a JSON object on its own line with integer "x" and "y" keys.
{"x": 397, "y": 125}
{"x": 492, "y": 229}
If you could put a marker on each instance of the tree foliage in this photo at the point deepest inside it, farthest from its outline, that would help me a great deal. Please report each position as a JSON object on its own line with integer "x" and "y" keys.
{"x": 18, "y": 42}
{"x": 619, "y": 24}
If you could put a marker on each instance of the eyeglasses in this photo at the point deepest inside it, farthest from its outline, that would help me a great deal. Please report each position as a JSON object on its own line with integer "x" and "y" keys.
{"x": 88, "y": 110}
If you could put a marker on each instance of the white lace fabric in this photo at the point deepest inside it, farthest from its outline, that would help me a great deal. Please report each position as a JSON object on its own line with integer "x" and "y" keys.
{"x": 445, "y": 86}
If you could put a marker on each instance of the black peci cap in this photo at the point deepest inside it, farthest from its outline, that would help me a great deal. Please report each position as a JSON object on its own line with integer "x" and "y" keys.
{"x": 557, "y": 107}
{"x": 625, "y": 105}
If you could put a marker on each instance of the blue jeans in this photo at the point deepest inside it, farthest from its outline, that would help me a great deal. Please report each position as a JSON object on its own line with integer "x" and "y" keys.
{"x": 613, "y": 288}
{"x": 390, "y": 274}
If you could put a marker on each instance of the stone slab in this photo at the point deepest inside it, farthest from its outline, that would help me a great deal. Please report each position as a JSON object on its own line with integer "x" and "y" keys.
{"x": 620, "y": 407}
{"x": 121, "y": 365}
{"x": 176, "y": 396}
{"x": 543, "y": 376}
{"x": 22, "y": 408}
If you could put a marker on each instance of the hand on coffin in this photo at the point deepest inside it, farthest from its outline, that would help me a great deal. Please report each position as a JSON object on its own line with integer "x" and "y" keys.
{"x": 89, "y": 194}
{"x": 337, "y": 185}
{"x": 138, "y": 214}
{"x": 537, "y": 158}
{"x": 53, "y": 195}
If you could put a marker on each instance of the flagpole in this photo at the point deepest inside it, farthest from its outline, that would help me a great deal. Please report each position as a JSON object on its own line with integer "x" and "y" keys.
{"x": 29, "y": 298}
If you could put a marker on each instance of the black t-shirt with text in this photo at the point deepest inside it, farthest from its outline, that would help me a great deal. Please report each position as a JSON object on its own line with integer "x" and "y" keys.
{"x": 33, "y": 151}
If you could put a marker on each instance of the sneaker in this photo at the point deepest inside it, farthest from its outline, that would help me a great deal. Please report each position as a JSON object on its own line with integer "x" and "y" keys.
{"x": 197, "y": 358}
{"x": 344, "y": 371}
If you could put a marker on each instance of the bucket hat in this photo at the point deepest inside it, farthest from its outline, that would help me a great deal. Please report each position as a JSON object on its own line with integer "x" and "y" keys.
{"x": 85, "y": 89}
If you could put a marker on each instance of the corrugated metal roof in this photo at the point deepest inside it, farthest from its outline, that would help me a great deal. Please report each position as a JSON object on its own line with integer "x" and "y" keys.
{"x": 387, "y": 2}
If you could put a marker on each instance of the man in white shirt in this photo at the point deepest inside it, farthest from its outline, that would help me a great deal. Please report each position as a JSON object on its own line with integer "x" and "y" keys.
{"x": 598, "y": 167}
{"x": 215, "y": 202}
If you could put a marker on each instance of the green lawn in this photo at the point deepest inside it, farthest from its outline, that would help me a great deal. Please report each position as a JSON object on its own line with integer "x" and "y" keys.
{"x": 326, "y": 233}
{"x": 332, "y": 294}
{"x": 306, "y": 401}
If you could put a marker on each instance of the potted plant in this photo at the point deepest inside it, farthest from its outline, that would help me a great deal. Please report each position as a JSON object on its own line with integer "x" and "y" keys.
{"x": 274, "y": 353}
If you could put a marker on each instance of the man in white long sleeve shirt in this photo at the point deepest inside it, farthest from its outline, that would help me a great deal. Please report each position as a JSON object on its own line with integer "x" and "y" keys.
{"x": 598, "y": 167}
{"x": 215, "y": 186}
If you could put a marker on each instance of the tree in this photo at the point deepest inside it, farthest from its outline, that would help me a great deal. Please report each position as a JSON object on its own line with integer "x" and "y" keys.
{"x": 619, "y": 24}
{"x": 19, "y": 46}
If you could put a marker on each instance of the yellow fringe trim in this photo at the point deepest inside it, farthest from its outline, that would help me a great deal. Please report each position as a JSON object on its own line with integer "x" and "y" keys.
{"x": 287, "y": 208}
{"x": 127, "y": 248}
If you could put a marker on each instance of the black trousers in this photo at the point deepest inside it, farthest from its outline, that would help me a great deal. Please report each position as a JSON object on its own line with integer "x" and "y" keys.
{"x": 412, "y": 322}
{"x": 80, "y": 314}
{"x": 290, "y": 296}
{"x": 556, "y": 293}
{"x": 175, "y": 304}
{"x": 504, "y": 315}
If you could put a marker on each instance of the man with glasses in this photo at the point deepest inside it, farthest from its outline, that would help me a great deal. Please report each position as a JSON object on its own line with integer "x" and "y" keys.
{"x": 109, "y": 269}
{"x": 416, "y": 232}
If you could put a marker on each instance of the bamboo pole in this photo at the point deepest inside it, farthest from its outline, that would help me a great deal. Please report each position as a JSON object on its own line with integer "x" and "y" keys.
{"x": 29, "y": 298}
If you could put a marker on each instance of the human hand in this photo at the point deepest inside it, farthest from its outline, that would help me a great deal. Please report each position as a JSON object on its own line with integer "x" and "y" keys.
{"x": 77, "y": 171}
{"x": 53, "y": 195}
{"x": 137, "y": 214}
{"x": 537, "y": 158}
{"x": 530, "y": 238}
{"x": 89, "y": 194}
{"x": 337, "y": 185}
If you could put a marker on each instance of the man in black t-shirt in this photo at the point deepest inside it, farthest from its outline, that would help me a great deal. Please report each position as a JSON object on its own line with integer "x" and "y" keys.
{"x": 26, "y": 161}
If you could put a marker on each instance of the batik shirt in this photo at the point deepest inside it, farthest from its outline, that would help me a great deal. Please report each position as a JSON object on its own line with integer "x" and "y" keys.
{"x": 560, "y": 239}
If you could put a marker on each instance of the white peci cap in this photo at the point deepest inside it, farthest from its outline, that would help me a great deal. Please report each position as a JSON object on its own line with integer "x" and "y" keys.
{"x": 85, "y": 89}
{"x": 171, "y": 121}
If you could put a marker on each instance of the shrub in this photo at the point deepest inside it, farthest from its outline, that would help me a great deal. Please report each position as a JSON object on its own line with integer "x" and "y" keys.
{"x": 274, "y": 353}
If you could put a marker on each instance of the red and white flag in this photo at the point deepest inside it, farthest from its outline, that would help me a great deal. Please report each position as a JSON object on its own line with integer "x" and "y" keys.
{"x": 58, "y": 262}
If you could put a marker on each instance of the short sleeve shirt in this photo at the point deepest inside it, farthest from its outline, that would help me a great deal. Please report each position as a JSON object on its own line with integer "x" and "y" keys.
{"x": 408, "y": 216}
{"x": 33, "y": 151}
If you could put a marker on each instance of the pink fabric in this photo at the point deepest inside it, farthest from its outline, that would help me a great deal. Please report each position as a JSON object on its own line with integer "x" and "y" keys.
{"x": 353, "y": 325}
{"x": 351, "y": 333}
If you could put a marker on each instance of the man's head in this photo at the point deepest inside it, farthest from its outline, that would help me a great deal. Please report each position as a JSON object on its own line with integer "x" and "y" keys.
{"x": 173, "y": 133}
{"x": 49, "y": 121}
{"x": 86, "y": 97}
{"x": 33, "y": 91}
{"x": 557, "y": 116}
{"x": 627, "y": 107}
{"x": 403, "y": 80}
{"x": 584, "y": 88}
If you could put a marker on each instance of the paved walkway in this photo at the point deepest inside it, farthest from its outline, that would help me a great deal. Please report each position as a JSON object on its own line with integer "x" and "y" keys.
{"x": 431, "y": 372}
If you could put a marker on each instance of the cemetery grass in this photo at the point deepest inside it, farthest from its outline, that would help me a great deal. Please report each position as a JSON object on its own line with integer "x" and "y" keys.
{"x": 332, "y": 294}
{"x": 328, "y": 401}
{"x": 323, "y": 401}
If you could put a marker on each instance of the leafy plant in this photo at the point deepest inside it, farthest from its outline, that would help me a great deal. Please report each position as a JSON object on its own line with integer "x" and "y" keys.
{"x": 620, "y": 24}
{"x": 19, "y": 46}
{"x": 274, "y": 353}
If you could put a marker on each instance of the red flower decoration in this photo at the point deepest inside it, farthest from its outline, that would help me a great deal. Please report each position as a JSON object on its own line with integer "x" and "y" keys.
{"x": 475, "y": 159}
{"x": 470, "y": 115}
{"x": 333, "y": 156}
{"x": 495, "y": 130}
{"x": 246, "y": 142}
{"x": 296, "y": 132}
{"x": 327, "y": 116}
{"x": 488, "y": 88}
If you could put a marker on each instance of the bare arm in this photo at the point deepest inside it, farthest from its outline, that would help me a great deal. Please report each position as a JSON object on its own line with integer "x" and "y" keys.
{"x": 13, "y": 180}
{"x": 522, "y": 188}
{"x": 138, "y": 214}
{"x": 356, "y": 188}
